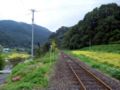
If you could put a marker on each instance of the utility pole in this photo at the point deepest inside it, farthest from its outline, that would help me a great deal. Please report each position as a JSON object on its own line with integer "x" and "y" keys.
{"x": 32, "y": 42}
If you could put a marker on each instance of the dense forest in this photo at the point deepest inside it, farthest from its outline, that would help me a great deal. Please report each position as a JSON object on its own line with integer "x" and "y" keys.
{"x": 100, "y": 26}
{"x": 59, "y": 35}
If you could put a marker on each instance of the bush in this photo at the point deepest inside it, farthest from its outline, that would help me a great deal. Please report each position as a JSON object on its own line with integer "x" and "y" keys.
{"x": 1, "y": 62}
{"x": 16, "y": 58}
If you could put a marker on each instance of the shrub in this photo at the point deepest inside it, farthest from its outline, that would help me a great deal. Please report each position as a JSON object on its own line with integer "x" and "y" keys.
{"x": 16, "y": 58}
{"x": 1, "y": 62}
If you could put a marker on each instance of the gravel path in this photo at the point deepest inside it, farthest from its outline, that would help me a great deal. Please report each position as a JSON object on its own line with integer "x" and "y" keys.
{"x": 63, "y": 80}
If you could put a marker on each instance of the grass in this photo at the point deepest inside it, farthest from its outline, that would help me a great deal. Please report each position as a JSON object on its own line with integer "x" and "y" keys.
{"x": 105, "y": 58}
{"x": 34, "y": 75}
{"x": 113, "y": 48}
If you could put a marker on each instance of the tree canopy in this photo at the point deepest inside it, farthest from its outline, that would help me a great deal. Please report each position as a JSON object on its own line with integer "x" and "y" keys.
{"x": 100, "y": 26}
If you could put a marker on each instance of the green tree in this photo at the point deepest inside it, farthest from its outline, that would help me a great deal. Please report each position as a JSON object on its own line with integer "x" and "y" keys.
{"x": 100, "y": 26}
{"x": 42, "y": 50}
{"x": 1, "y": 62}
{"x": 53, "y": 46}
{"x": 1, "y": 58}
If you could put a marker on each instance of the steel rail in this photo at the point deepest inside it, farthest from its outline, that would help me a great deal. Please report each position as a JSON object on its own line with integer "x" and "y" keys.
{"x": 82, "y": 86}
{"x": 88, "y": 72}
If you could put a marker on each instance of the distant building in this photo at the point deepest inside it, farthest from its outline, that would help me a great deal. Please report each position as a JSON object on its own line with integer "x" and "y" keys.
{"x": 6, "y": 50}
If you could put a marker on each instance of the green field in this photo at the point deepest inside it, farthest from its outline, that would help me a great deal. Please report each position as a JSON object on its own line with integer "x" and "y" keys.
{"x": 33, "y": 74}
{"x": 105, "y": 58}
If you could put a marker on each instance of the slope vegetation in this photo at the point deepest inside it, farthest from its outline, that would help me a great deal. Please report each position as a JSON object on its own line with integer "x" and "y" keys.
{"x": 33, "y": 75}
{"x": 17, "y": 34}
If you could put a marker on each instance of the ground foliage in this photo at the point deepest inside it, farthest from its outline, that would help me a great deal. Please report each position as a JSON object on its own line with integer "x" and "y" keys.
{"x": 34, "y": 75}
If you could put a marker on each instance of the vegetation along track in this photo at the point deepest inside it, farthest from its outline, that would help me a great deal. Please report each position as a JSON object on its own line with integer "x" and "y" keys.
{"x": 86, "y": 79}
{"x": 72, "y": 74}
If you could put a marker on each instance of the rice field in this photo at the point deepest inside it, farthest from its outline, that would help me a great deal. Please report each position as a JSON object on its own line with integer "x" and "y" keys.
{"x": 105, "y": 58}
{"x": 101, "y": 57}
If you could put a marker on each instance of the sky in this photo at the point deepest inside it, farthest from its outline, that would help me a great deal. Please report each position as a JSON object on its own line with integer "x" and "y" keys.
{"x": 51, "y": 14}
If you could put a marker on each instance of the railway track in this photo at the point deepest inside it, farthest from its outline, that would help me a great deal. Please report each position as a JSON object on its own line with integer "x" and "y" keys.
{"x": 72, "y": 74}
{"x": 86, "y": 79}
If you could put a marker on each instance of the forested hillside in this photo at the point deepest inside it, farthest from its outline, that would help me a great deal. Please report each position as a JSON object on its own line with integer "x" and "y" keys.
{"x": 100, "y": 26}
{"x": 17, "y": 34}
{"x": 58, "y": 35}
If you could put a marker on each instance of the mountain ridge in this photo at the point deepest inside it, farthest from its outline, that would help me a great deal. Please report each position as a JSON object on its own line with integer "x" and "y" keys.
{"x": 18, "y": 34}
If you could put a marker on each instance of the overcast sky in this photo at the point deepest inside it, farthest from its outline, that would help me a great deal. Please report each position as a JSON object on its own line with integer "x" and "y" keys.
{"x": 51, "y": 14}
